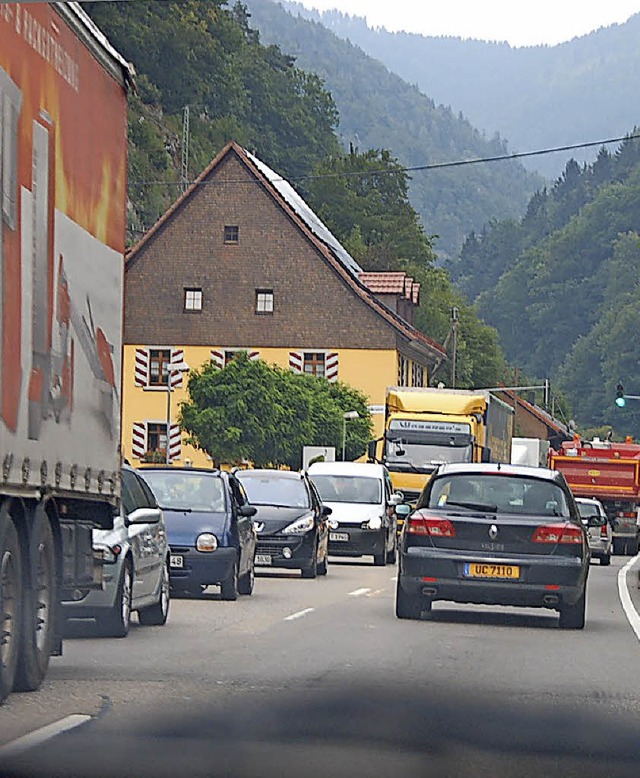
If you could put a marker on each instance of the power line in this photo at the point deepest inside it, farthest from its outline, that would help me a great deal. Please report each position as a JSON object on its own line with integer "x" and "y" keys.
{"x": 413, "y": 168}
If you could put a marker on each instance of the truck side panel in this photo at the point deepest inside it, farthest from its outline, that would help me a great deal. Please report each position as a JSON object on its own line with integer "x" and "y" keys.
{"x": 62, "y": 224}
{"x": 498, "y": 429}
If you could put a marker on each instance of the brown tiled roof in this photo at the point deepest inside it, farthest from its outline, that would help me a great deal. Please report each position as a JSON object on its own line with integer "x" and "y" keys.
{"x": 316, "y": 232}
{"x": 534, "y": 410}
{"x": 385, "y": 283}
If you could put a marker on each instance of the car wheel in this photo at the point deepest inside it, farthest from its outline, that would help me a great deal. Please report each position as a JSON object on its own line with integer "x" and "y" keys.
{"x": 380, "y": 560}
{"x": 116, "y": 623}
{"x": 573, "y": 616}
{"x": 247, "y": 581}
{"x": 618, "y": 546}
{"x": 391, "y": 556}
{"x": 605, "y": 560}
{"x": 312, "y": 570}
{"x": 229, "y": 587}
{"x": 410, "y": 606}
{"x": 632, "y": 547}
{"x": 156, "y": 615}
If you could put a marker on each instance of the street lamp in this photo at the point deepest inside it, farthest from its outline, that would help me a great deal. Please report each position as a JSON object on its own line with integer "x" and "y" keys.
{"x": 345, "y": 416}
{"x": 180, "y": 367}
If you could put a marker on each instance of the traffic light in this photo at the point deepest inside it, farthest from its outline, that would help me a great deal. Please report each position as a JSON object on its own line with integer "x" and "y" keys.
{"x": 620, "y": 398}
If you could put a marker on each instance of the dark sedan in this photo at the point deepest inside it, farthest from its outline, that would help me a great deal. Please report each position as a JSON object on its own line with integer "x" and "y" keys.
{"x": 290, "y": 520}
{"x": 498, "y": 535}
{"x": 210, "y": 529}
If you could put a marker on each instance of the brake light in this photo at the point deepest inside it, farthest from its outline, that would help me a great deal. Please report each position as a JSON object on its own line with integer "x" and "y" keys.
{"x": 603, "y": 531}
{"x": 433, "y": 526}
{"x": 558, "y": 533}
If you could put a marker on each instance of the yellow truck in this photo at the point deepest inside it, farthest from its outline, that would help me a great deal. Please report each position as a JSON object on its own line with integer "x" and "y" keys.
{"x": 427, "y": 427}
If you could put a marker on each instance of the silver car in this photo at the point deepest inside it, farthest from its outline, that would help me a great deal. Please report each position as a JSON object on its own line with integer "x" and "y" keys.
{"x": 599, "y": 530}
{"x": 136, "y": 565}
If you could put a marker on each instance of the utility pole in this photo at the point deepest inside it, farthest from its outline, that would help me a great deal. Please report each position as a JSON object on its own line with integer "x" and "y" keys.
{"x": 455, "y": 315}
{"x": 184, "y": 177}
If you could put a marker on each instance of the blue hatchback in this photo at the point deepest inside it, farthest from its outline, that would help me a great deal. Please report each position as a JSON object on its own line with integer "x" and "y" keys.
{"x": 210, "y": 529}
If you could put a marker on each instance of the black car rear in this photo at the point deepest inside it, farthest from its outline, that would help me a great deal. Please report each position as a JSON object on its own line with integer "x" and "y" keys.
{"x": 498, "y": 535}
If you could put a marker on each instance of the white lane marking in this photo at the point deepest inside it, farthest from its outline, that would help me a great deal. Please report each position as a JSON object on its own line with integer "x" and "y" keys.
{"x": 359, "y": 592}
{"x": 625, "y": 598}
{"x": 299, "y": 614}
{"x": 375, "y": 592}
{"x": 39, "y": 736}
{"x": 395, "y": 578}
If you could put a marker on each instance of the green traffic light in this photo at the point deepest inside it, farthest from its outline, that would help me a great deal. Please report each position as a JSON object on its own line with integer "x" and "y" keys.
{"x": 620, "y": 402}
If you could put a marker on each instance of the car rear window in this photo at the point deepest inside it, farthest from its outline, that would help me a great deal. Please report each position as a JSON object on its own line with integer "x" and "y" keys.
{"x": 502, "y": 493}
{"x": 343, "y": 488}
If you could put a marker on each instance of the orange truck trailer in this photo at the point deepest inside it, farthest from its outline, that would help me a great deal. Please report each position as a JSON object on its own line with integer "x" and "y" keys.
{"x": 63, "y": 172}
{"x": 610, "y": 472}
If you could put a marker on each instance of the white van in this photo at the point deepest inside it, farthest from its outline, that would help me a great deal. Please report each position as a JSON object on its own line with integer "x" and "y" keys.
{"x": 362, "y": 502}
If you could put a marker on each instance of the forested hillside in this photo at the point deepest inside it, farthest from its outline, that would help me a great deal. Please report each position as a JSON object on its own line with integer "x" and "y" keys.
{"x": 562, "y": 285}
{"x": 238, "y": 89}
{"x": 379, "y": 110}
{"x": 536, "y": 97}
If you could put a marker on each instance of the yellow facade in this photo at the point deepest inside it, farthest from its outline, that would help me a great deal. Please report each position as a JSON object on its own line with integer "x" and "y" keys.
{"x": 371, "y": 371}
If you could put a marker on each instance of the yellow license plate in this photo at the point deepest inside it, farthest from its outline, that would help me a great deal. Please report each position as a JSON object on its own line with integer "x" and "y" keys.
{"x": 485, "y": 570}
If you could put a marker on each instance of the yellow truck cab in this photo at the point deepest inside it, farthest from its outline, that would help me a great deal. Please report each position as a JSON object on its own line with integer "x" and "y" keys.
{"x": 427, "y": 427}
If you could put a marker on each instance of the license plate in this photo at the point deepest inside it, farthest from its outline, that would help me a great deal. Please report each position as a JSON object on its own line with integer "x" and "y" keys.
{"x": 342, "y": 537}
{"x": 488, "y": 570}
{"x": 176, "y": 561}
{"x": 263, "y": 559}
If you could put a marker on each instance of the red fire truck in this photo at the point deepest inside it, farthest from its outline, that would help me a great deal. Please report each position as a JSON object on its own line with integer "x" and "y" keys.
{"x": 609, "y": 472}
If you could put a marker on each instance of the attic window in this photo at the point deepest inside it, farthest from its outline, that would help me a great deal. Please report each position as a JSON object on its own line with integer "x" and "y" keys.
{"x": 231, "y": 234}
{"x": 264, "y": 301}
{"x": 193, "y": 299}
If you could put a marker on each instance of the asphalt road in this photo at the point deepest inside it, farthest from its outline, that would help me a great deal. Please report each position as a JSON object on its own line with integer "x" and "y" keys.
{"x": 320, "y": 673}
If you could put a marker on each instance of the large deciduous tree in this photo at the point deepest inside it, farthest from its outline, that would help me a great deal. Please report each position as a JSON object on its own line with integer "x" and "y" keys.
{"x": 252, "y": 411}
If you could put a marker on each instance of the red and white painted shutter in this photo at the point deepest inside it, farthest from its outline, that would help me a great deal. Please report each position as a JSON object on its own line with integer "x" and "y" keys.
{"x": 217, "y": 357}
{"x": 139, "y": 439}
{"x": 296, "y": 361}
{"x": 177, "y": 358}
{"x": 253, "y": 355}
{"x": 331, "y": 366}
{"x": 142, "y": 367}
{"x": 175, "y": 442}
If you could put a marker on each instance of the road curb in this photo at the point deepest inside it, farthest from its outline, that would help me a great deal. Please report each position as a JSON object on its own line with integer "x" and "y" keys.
{"x": 626, "y": 599}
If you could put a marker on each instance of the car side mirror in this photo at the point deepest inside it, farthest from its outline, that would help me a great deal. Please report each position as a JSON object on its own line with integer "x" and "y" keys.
{"x": 247, "y": 511}
{"x": 396, "y": 498}
{"x": 143, "y": 516}
{"x": 595, "y": 521}
{"x": 326, "y": 510}
{"x": 403, "y": 510}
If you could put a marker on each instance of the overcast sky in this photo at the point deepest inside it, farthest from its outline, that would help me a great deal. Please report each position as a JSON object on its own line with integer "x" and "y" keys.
{"x": 519, "y": 23}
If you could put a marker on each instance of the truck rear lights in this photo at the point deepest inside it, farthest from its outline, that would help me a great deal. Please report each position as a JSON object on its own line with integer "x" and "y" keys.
{"x": 562, "y": 532}
{"x": 432, "y": 526}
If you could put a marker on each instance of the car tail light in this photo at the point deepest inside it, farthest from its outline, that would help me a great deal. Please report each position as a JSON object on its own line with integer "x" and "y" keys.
{"x": 558, "y": 533}
{"x": 432, "y": 526}
{"x": 603, "y": 531}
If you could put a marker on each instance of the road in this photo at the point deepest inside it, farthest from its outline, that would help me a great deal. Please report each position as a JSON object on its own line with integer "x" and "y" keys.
{"x": 480, "y": 679}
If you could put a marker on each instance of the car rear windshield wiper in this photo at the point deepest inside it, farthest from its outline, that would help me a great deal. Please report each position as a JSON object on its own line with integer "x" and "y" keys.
{"x": 475, "y": 506}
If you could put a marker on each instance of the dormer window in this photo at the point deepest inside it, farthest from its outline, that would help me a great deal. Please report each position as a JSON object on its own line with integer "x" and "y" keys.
{"x": 264, "y": 301}
{"x": 231, "y": 233}
{"x": 192, "y": 299}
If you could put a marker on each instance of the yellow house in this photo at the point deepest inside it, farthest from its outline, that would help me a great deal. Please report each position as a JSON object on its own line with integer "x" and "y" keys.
{"x": 240, "y": 262}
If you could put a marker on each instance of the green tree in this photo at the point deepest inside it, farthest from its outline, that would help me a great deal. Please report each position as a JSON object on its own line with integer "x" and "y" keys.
{"x": 264, "y": 414}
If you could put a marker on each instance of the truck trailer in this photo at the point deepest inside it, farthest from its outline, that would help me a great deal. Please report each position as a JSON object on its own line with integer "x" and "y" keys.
{"x": 425, "y": 427}
{"x": 63, "y": 168}
{"x": 610, "y": 472}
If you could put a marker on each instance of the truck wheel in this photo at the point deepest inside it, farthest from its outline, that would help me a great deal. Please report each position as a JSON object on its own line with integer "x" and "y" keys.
{"x": 156, "y": 615}
{"x": 632, "y": 547}
{"x": 40, "y": 603}
{"x": 380, "y": 560}
{"x": 618, "y": 546}
{"x": 573, "y": 616}
{"x": 11, "y": 599}
{"x": 116, "y": 622}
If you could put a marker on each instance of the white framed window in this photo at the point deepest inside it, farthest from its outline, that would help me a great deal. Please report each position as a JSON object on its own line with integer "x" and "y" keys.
{"x": 264, "y": 301}
{"x": 192, "y": 299}
{"x": 231, "y": 233}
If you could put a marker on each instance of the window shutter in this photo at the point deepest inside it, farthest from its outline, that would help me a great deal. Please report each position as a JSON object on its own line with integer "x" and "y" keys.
{"x": 296, "y": 361}
{"x": 139, "y": 440}
{"x": 331, "y": 367}
{"x": 217, "y": 357}
{"x": 253, "y": 355}
{"x": 175, "y": 442}
{"x": 142, "y": 367}
{"x": 177, "y": 358}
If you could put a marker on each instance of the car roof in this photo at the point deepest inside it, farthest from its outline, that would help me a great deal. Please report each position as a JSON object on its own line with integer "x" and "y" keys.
{"x": 171, "y": 469}
{"x": 293, "y": 474}
{"x": 499, "y": 468}
{"x": 369, "y": 469}
{"x": 588, "y": 500}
